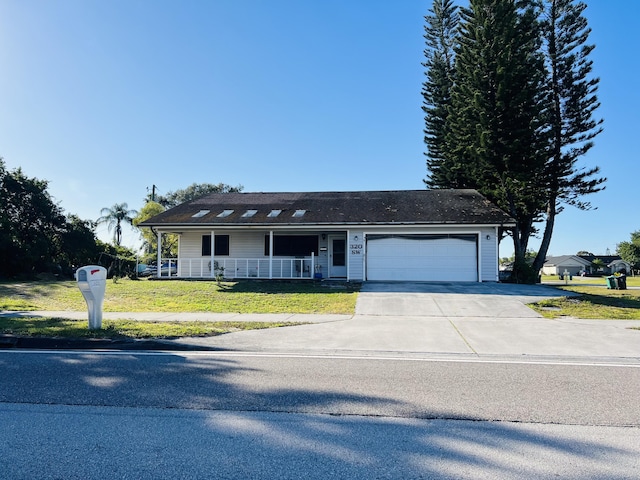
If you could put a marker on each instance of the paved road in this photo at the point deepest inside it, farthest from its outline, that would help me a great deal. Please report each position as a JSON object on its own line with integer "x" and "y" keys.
{"x": 397, "y": 387}
{"x": 60, "y": 442}
{"x": 241, "y": 415}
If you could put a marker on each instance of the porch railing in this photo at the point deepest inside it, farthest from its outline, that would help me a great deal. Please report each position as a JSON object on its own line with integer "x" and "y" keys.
{"x": 233, "y": 268}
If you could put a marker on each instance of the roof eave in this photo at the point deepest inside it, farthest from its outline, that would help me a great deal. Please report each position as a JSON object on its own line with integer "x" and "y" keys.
{"x": 192, "y": 226}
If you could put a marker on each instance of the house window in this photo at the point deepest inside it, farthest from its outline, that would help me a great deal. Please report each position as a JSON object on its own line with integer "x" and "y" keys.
{"x": 299, "y": 213}
{"x": 222, "y": 245}
{"x": 292, "y": 245}
{"x": 225, "y": 213}
{"x": 249, "y": 213}
{"x": 274, "y": 213}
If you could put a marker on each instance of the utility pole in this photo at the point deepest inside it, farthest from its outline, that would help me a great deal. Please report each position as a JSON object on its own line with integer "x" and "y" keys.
{"x": 153, "y": 192}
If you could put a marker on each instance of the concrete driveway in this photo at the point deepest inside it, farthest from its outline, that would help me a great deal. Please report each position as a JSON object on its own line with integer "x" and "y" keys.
{"x": 478, "y": 300}
{"x": 445, "y": 319}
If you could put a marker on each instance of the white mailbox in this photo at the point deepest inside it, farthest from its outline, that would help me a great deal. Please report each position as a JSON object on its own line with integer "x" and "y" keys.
{"x": 92, "y": 282}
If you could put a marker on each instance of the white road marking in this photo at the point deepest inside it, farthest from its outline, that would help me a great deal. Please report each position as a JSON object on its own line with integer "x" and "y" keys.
{"x": 404, "y": 358}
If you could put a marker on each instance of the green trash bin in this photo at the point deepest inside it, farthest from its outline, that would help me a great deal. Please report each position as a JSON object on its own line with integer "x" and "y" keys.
{"x": 611, "y": 282}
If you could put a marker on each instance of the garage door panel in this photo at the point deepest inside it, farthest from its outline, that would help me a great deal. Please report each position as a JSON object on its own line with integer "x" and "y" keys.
{"x": 422, "y": 259}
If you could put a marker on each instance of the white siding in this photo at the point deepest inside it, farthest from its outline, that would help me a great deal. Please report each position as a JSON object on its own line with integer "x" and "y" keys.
{"x": 488, "y": 247}
{"x": 356, "y": 255}
{"x": 249, "y": 245}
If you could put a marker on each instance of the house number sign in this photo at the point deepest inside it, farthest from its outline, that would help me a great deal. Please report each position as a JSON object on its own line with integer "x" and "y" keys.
{"x": 356, "y": 248}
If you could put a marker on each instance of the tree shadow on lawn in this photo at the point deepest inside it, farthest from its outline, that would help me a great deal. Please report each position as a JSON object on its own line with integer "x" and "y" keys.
{"x": 288, "y": 286}
{"x": 245, "y": 428}
{"x": 25, "y": 330}
{"x": 629, "y": 299}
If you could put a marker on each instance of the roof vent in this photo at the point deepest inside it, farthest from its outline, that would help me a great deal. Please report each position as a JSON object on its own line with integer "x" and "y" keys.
{"x": 225, "y": 213}
{"x": 299, "y": 213}
{"x": 200, "y": 214}
{"x": 249, "y": 213}
{"x": 274, "y": 213}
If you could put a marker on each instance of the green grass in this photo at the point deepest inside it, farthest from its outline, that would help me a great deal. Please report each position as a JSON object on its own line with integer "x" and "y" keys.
{"x": 578, "y": 280}
{"x": 183, "y": 296}
{"x": 120, "y": 329}
{"x": 165, "y": 296}
{"x": 593, "y": 302}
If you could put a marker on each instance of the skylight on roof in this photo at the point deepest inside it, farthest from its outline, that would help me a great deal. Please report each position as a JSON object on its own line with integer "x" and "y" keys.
{"x": 274, "y": 213}
{"x": 299, "y": 213}
{"x": 225, "y": 213}
{"x": 249, "y": 213}
{"x": 201, "y": 213}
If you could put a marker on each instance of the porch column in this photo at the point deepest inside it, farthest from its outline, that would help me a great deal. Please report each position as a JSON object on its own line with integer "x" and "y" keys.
{"x": 213, "y": 253}
{"x": 270, "y": 254}
{"x": 178, "y": 272}
{"x": 347, "y": 253}
{"x": 497, "y": 240}
{"x": 159, "y": 257}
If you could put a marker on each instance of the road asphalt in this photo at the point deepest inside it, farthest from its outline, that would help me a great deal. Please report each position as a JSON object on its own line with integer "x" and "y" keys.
{"x": 479, "y": 319}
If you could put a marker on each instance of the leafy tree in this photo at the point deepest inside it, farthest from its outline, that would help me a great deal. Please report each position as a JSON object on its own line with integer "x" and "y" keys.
{"x": 114, "y": 217}
{"x": 440, "y": 34}
{"x": 118, "y": 260}
{"x": 584, "y": 253}
{"x": 77, "y": 245}
{"x": 496, "y": 130}
{"x": 150, "y": 240}
{"x": 29, "y": 223}
{"x": 193, "y": 191}
{"x": 35, "y": 234}
{"x": 598, "y": 263}
{"x": 572, "y": 104}
{"x": 630, "y": 251}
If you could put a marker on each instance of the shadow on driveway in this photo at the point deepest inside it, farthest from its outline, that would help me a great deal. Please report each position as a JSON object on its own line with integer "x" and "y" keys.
{"x": 465, "y": 288}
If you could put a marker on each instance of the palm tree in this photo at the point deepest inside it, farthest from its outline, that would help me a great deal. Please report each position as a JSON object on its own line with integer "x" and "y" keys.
{"x": 114, "y": 217}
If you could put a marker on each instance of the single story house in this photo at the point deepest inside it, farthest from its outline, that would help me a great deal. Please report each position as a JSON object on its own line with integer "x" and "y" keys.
{"x": 576, "y": 264}
{"x": 413, "y": 235}
{"x": 573, "y": 264}
{"x": 612, "y": 264}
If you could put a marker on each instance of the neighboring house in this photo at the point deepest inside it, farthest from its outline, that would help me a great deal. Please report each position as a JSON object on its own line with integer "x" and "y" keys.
{"x": 573, "y": 264}
{"x": 576, "y": 264}
{"x": 415, "y": 235}
{"x": 613, "y": 264}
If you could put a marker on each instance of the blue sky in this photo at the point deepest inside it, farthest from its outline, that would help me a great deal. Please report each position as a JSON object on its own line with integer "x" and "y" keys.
{"x": 106, "y": 98}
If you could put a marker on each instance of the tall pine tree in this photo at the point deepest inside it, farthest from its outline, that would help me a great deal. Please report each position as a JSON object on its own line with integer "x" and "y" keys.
{"x": 572, "y": 103}
{"x": 516, "y": 113}
{"x": 497, "y": 130}
{"x": 440, "y": 36}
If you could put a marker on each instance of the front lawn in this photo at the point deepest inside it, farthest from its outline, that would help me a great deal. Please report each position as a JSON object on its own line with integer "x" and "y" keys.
{"x": 123, "y": 329}
{"x": 593, "y": 302}
{"x": 184, "y": 296}
{"x": 578, "y": 280}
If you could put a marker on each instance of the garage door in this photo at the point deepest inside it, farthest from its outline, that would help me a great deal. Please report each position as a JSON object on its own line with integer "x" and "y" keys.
{"x": 429, "y": 258}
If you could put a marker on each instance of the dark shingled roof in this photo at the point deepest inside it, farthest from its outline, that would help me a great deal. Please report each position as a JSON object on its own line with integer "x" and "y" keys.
{"x": 427, "y": 207}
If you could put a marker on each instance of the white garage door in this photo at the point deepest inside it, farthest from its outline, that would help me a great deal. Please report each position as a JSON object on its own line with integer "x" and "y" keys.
{"x": 427, "y": 258}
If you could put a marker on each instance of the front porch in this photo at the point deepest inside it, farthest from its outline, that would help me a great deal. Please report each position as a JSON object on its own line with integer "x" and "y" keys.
{"x": 261, "y": 254}
{"x": 241, "y": 268}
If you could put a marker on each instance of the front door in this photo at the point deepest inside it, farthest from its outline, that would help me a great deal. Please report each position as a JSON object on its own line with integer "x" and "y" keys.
{"x": 337, "y": 256}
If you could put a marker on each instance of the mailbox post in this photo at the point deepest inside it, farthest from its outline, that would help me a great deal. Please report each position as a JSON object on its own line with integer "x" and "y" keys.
{"x": 92, "y": 282}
